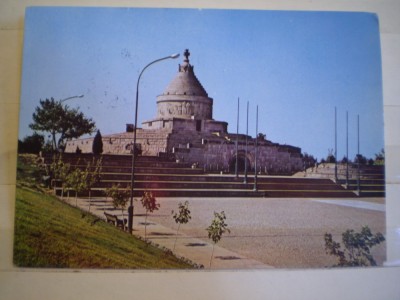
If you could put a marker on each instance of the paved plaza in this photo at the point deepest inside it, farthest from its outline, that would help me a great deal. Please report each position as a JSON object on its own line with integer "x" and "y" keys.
{"x": 265, "y": 232}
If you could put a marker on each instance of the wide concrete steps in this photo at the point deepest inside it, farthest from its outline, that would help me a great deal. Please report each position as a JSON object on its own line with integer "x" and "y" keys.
{"x": 166, "y": 178}
{"x": 165, "y": 192}
{"x": 368, "y": 188}
{"x": 221, "y": 187}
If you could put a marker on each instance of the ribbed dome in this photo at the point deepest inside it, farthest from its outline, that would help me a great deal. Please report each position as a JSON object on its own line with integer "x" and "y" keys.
{"x": 185, "y": 82}
{"x": 185, "y": 97}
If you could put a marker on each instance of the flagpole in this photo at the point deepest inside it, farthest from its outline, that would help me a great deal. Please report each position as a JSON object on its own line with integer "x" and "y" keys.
{"x": 255, "y": 153}
{"x": 336, "y": 178}
{"x": 347, "y": 149}
{"x": 237, "y": 142}
{"x": 247, "y": 133}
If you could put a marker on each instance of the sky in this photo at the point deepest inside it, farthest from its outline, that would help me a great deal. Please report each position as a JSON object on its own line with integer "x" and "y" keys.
{"x": 296, "y": 66}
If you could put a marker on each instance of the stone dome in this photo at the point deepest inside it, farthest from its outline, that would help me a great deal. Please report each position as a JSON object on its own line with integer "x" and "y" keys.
{"x": 185, "y": 97}
{"x": 185, "y": 82}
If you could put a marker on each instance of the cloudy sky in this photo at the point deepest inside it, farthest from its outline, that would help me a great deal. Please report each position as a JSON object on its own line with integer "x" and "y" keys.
{"x": 296, "y": 66}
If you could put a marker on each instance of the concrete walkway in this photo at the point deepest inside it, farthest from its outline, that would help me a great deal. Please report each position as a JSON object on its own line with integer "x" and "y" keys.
{"x": 356, "y": 204}
{"x": 197, "y": 250}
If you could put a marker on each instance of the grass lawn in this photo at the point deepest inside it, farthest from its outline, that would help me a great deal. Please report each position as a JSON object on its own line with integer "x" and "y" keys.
{"x": 52, "y": 234}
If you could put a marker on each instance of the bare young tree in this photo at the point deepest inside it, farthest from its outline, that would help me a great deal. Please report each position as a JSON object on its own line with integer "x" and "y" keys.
{"x": 149, "y": 202}
{"x": 182, "y": 216}
{"x": 119, "y": 198}
{"x": 217, "y": 228}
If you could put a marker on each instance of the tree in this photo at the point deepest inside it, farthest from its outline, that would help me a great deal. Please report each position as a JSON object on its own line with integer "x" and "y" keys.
{"x": 181, "y": 217}
{"x": 308, "y": 160}
{"x": 261, "y": 136}
{"x": 330, "y": 158}
{"x": 149, "y": 202}
{"x": 119, "y": 198}
{"x": 76, "y": 181}
{"x": 31, "y": 144}
{"x": 48, "y": 146}
{"x": 59, "y": 172}
{"x": 380, "y": 158}
{"x": 97, "y": 147}
{"x": 217, "y": 228}
{"x": 357, "y": 247}
{"x": 91, "y": 175}
{"x": 362, "y": 160}
{"x": 59, "y": 120}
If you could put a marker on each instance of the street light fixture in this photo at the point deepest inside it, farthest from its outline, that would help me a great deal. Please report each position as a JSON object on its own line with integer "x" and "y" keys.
{"x": 130, "y": 208}
{"x": 72, "y": 97}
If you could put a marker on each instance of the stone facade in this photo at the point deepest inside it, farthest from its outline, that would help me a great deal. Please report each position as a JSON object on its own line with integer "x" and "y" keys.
{"x": 184, "y": 129}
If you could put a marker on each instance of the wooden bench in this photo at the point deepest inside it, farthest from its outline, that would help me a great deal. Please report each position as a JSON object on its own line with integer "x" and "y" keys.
{"x": 114, "y": 220}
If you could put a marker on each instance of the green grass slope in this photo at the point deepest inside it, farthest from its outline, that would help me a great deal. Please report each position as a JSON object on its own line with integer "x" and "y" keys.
{"x": 52, "y": 234}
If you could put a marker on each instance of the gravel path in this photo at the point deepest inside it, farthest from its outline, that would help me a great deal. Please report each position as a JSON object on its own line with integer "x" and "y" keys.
{"x": 283, "y": 233}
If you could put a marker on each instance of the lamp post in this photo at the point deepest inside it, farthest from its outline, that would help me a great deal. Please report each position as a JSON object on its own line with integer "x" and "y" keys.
{"x": 130, "y": 208}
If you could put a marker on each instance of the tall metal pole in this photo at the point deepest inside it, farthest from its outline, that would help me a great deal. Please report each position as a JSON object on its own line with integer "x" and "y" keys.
{"x": 247, "y": 133}
{"x": 347, "y": 149}
{"x": 237, "y": 142}
{"x": 255, "y": 153}
{"x": 358, "y": 155}
{"x": 130, "y": 208}
{"x": 336, "y": 177}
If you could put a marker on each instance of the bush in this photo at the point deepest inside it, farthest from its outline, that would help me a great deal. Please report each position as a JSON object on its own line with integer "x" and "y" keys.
{"x": 181, "y": 217}
{"x": 217, "y": 228}
{"x": 356, "y": 252}
{"x": 31, "y": 144}
{"x": 149, "y": 203}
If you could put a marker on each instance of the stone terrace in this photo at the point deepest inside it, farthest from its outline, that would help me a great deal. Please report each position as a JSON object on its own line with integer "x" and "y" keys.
{"x": 167, "y": 178}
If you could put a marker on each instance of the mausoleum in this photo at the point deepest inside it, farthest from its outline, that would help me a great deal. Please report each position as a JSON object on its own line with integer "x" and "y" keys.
{"x": 184, "y": 130}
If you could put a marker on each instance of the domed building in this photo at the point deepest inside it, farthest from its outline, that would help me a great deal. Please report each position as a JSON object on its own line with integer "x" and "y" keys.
{"x": 185, "y": 104}
{"x": 184, "y": 130}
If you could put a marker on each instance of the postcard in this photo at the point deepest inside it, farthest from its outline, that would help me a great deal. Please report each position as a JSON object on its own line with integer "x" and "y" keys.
{"x": 200, "y": 139}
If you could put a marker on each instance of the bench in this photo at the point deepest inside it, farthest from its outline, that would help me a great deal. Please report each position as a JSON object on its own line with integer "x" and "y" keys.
{"x": 114, "y": 220}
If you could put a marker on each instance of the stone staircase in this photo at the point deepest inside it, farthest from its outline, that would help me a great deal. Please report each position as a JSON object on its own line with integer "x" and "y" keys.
{"x": 167, "y": 178}
{"x": 372, "y": 178}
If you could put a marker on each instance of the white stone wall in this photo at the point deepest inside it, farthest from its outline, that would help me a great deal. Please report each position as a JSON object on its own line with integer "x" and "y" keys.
{"x": 215, "y": 154}
{"x": 215, "y": 126}
{"x": 85, "y": 145}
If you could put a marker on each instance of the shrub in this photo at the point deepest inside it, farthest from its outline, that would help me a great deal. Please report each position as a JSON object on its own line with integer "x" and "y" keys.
{"x": 357, "y": 245}
{"x": 119, "y": 198}
{"x": 181, "y": 217}
{"x": 149, "y": 202}
{"x": 217, "y": 228}
{"x": 31, "y": 144}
